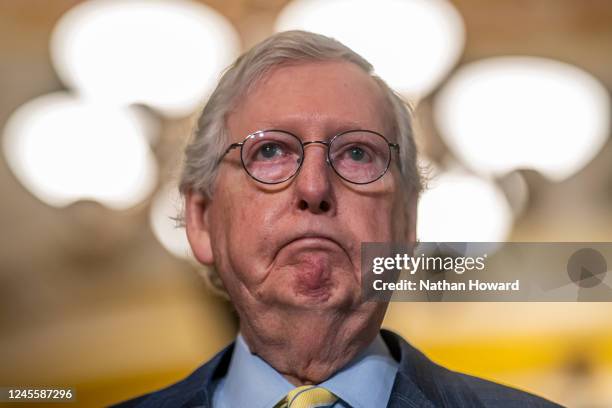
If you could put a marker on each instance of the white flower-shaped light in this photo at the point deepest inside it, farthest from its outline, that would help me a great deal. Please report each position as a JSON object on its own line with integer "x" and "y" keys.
{"x": 166, "y": 54}
{"x": 63, "y": 149}
{"x": 460, "y": 207}
{"x": 508, "y": 113}
{"x": 413, "y": 44}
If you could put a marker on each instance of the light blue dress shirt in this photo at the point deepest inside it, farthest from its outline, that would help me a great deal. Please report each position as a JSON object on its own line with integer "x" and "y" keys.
{"x": 251, "y": 382}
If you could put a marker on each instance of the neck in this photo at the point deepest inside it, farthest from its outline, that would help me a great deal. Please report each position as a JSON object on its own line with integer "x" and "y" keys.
{"x": 309, "y": 346}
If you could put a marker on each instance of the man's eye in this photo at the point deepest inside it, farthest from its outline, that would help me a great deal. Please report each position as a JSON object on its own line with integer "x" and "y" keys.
{"x": 269, "y": 151}
{"x": 357, "y": 154}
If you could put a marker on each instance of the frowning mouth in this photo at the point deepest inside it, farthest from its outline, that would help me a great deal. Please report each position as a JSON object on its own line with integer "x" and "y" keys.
{"x": 313, "y": 242}
{"x": 310, "y": 240}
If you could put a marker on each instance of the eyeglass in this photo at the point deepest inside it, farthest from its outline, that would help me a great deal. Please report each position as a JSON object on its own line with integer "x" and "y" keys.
{"x": 274, "y": 156}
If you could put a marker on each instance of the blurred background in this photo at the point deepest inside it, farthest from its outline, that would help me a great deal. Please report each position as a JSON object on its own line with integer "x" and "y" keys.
{"x": 98, "y": 290}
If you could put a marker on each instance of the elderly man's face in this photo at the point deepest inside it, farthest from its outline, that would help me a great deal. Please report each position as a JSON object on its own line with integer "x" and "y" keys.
{"x": 297, "y": 244}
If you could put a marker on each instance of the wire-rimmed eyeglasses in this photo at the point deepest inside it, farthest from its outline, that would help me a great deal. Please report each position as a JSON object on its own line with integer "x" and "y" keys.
{"x": 273, "y": 156}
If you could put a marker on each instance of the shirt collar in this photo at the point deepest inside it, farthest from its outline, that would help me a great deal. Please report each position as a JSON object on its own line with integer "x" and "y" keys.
{"x": 250, "y": 381}
{"x": 368, "y": 379}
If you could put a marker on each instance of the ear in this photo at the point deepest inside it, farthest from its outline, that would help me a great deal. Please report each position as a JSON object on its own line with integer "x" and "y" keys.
{"x": 197, "y": 208}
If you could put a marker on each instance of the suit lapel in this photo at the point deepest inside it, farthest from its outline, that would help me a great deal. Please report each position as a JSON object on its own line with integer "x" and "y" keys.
{"x": 206, "y": 376}
{"x": 405, "y": 394}
{"x": 422, "y": 383}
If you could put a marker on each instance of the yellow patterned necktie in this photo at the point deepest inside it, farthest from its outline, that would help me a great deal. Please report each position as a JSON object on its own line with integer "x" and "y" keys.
{"x": 308, "y": 396}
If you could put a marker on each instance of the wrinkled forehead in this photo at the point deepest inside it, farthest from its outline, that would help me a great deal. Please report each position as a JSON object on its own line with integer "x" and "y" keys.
{"x": 311, "y": 98}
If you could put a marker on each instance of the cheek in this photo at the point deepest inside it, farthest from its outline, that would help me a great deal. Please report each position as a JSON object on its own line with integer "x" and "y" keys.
{"x": 246, "y": 222}
{"x": 253, "y": 216}
{"x": 376, "y": 215}
{"x": 369, "y": 218}
{"x": 237, "y": 207}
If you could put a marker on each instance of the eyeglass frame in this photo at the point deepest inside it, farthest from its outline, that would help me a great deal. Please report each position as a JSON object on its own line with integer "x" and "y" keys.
{"x": 328, "y": 159}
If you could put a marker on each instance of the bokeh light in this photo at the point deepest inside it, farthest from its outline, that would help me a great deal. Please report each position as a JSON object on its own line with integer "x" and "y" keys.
{"x": 166, "y": 54}
{"x": 459, "y": 207}
{"x": 63, "y": 149}
{"x": 166, "y": 206}
{"x": 508, "y": 113}
{"x": 413, "y": 44}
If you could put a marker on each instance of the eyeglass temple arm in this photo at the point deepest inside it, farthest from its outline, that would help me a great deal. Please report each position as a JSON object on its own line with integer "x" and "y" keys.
{"x": 229, "y": 149}
{"x": 394, "y": 146}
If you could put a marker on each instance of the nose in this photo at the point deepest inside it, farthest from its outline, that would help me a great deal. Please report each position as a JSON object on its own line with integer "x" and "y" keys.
{"x": 313, "y": 186}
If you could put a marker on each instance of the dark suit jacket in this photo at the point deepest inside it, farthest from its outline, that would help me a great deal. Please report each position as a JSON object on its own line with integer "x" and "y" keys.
{"x": 420, "y": 383}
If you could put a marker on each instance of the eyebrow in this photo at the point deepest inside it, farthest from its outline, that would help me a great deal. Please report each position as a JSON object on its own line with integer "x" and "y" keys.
{"x": 330, "y": 130}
